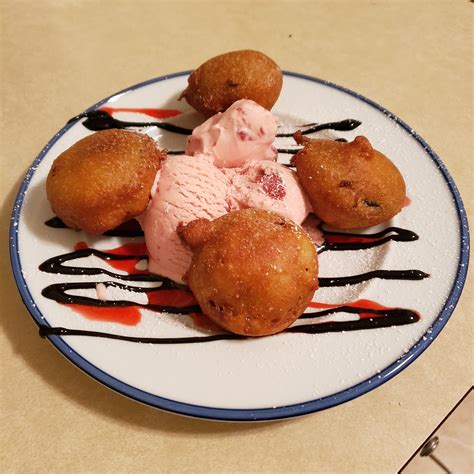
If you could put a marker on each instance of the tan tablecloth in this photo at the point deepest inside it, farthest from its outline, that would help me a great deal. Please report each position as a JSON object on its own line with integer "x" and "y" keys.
{"x": 59, "y": 57}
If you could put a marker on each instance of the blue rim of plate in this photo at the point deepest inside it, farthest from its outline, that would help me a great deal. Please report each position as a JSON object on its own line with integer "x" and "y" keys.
{"x": 261, "y": 414}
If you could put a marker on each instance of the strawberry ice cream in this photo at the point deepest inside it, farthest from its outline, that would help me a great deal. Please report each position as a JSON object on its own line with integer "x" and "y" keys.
{"x": 244, "y": 132}
{"x": 233, "y": 168}
{"x": 269, "y": 186}
{"x": 311, "y": 225}
{"x": 187, "y": 188}
{"x": 191, "y": 187}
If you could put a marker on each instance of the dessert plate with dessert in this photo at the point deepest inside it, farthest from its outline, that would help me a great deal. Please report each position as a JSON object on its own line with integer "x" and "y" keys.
{"x": 239, "y": 243}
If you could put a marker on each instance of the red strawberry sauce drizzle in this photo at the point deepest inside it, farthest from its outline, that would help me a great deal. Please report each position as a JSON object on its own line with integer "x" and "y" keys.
{"x": 128, "y": 316}
{"x": 156, "y": 113}
{"x": 360, "y": 305}
{"x": 131, "y": 315}
{"x": 130, "y": 249}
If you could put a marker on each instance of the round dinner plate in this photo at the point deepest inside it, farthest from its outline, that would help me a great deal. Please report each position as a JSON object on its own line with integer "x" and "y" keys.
{"x": 385, "y": 293}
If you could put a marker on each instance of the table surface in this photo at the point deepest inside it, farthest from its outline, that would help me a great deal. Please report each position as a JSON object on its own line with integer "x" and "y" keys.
{"x": 59, "y": 57}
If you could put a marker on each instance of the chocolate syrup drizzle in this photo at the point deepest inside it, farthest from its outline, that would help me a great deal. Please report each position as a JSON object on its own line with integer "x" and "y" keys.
{"x": 284, "y": 151}
{"x": 342, "y": 126}
{"x": 382, "y": 318}
{"x": 97, "y": 120}
{"x": 45, "y": 331}
{"x": 59, "y": 292}
{"x": 397, "y": 234}
{"x": 56, "y": 265}
{"x": 382, "y": 274}
{"x": 365, "y": 241}
{"x": 128, "y": 229}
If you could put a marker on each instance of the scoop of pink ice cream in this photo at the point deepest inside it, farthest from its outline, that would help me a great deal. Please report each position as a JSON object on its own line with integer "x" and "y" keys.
{"x": 269, "y": 186}
{"x": 188, "y": 188}
{"x": 311, "y": 226}
{"x": 245, "y": 131}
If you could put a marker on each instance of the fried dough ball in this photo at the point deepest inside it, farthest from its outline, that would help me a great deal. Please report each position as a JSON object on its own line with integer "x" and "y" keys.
{"x": 103, "y": 180}
{"x": 350, "y": 185}
{"x": 253, "y": 272}
{"x": 219, "y": 82}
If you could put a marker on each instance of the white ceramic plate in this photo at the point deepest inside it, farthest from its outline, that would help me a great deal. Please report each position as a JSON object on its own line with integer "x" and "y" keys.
{"x": 274, "y": 377}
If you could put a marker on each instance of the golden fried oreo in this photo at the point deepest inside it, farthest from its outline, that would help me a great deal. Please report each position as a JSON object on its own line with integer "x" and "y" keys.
{"x": 253, "y": 272}
{"x": 219, "y": 82}
{"x": 103, "y": 180}
{"x": 350, "y": 185}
